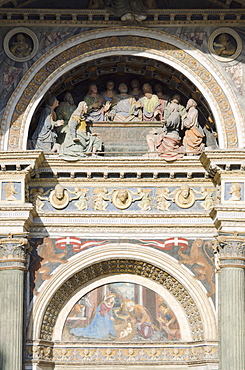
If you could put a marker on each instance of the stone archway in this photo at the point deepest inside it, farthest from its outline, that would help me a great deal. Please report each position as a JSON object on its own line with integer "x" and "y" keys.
{"x": 98, "y": 266}
{"x": 133, "y": 41}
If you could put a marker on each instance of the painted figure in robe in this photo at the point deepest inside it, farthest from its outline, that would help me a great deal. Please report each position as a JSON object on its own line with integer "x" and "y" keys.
{"x": 103, "y": 323}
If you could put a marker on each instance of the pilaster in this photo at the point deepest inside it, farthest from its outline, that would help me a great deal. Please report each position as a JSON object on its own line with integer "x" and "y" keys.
{"x": 13, "y": 256}
{"x": 231, "y": 252}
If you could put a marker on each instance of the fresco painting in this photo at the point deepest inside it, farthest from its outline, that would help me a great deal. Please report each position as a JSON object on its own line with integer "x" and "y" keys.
{"x": 47, "y": 254}
{"x": 121, "y": 312}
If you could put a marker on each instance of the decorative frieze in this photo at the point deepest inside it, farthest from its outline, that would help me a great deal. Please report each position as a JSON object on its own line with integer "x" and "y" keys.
{"x": 118, "y": 354}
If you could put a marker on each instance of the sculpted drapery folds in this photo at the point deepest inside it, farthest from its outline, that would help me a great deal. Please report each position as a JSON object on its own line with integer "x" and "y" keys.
{"x": 64, "y": 112}
{"x": 193, "y": 134}
{"x": 124, "y": 106}
{"x": 166, "y": 142}
{"x": 78, "y": 141}
{"x": 44, "y": 137}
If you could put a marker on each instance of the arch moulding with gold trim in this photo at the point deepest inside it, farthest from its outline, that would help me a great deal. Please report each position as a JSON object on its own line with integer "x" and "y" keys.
{"x": 93, "y": 268}
{"x": 131, "y": 41}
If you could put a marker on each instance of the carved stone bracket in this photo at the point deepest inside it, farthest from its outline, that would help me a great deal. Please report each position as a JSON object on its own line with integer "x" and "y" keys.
{"x": 13, "y": 252}
{"x": 230, "y": 250}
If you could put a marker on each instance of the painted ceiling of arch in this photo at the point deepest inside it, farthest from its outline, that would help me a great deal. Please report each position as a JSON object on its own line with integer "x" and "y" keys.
{"x": 161, "y": 4}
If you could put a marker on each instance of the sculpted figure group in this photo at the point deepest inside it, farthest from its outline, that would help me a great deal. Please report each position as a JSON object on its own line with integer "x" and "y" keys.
{"x": 65, "y": 128}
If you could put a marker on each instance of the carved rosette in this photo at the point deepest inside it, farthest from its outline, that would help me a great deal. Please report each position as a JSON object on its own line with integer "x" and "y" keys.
{"x": 231, "y": 250}
{"x": 13, "y": 253}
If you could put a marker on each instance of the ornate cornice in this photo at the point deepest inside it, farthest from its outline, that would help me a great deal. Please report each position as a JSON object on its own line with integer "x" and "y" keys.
{"x": 89, "y": 17}
{"x": 13, "y": 253}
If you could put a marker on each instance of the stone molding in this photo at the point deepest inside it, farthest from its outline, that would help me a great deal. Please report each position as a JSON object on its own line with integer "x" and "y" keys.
{"x": 161, "y": 353}
{"x": 156, "y": 17}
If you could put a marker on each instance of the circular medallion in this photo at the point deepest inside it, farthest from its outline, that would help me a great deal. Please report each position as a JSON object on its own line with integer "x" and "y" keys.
{"x": 184, "y": 198}
{"x": 20, "y": 44}
{"x": 122, "y": 198}
{"x": 59, "y": 203}
{"x": 225, "y": 44}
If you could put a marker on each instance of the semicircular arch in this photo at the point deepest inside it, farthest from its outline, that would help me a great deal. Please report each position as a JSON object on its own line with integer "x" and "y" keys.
{"x": 132, "y": 41}
{"x": 176, "y": 307}
{"x": 92, "y": 266}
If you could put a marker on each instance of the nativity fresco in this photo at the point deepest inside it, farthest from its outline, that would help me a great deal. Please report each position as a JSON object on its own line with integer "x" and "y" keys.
{"x": 121, "y": 312}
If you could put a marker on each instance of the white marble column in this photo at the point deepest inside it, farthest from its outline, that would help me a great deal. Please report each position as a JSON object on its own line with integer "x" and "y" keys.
{"x": 13, "y": 253}
{"x": 231, "y": 301}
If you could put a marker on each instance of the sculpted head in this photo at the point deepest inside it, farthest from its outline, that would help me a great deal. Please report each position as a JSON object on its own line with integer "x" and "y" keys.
{"x": 135, "y": 84}
{"x": 93, "y": 89}
{"x": 176, "y": 99}
{"x": 69, "y": 98}
{"x": 59, "y": 191}
{"x": 191, "y": 103}
{"x": 82, "y": 108}
{"x": 147, "y": 88}
{"x": 123, "y": 88}
{"x": 110, "y": 85}
{"x": 130, "y": 305}
{"x": 122, "y": 195}
{"x": 185, "y": 190}
{"x": 20, "y": 38}
{"x": 52, "y": 101}
{"x": 158, "y": 88}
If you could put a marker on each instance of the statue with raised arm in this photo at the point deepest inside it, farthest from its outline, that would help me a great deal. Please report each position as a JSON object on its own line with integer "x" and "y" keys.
{"x": 78, "y": 141}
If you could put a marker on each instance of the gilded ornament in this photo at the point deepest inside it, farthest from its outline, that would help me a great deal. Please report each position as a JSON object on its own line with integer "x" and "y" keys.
{"x": 40, "y": 77}
{"x": 224, "y": 104}
{"x": 232, "y": 139}
{"x": 229, "y": 121}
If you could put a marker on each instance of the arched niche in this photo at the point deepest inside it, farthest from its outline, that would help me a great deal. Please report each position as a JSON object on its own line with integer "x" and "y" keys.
{"x": 139, "y": 42}
{"x": 124, "y": 69}
{"x": 90, "y": 269}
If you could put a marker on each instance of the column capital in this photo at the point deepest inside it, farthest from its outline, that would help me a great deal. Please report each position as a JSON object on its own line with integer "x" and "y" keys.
{"x": 14, "y": 252}
{"x": 230, "y": 250}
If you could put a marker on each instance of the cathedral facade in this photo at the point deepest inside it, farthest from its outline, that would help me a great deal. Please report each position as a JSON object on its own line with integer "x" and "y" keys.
{"x": 122, "y": 185}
